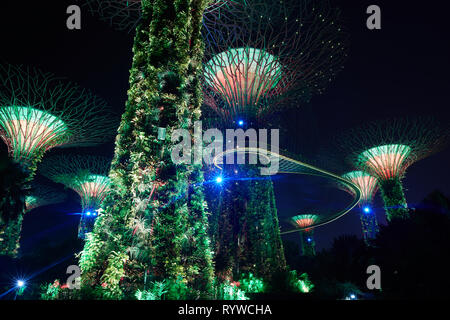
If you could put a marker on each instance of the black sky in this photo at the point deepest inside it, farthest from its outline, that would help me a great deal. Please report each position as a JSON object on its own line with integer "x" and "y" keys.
{"x": 400, "y": 70}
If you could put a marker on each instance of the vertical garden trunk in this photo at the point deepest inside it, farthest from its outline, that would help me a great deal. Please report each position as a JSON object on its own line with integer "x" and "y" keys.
{"x": 245, "y": 227}
{"x": 10, "y": 232}
{"x": 15, "y": 182}
{"x": 86, "y": 223}
{"x": 394, "y": 199}
{"x": 154, "y": 227}
{"x": 307, "y": 243}
{"x": 369, "y": 225}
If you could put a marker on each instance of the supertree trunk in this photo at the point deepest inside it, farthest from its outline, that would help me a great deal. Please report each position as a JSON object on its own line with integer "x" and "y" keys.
{"x": 308, "y": 244}
{"x": 86, "y": 225}
{"x": 155, "y": 220}
{"x": 247, "y": 235}
{"x": 12, "y": 208}
{"x": 369, "y": 226}
{"x": 264, "y": 230}
{"x": 394, "y": 199}
{"x": 10, "y": 235}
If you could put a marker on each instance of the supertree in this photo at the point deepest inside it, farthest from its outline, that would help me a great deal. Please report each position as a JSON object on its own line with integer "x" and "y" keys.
{"x": 38, "y": 112}
{"x": 369, "y": 186}
{"x": 386, "y": 149}
{"x": 154, "y": 223}
{"x": 87, "y": 175}
{"x": 285, "y": 51}
{"x": 304, "y": 223}
{"x": 42, "y": 195}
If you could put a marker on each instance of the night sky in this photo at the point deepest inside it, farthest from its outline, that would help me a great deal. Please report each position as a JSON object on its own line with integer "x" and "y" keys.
{"x": 400, "y": 70}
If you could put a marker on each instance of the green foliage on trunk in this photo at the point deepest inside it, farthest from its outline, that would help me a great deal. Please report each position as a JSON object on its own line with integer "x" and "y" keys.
{"x": 308, "y": 243}
{"x": 369, "y": 226}
{"x": 15, "y": 179}
{"x": 244, "y": 226}
{"x": 155, "y": 217}
{"x": 394, "y": 199}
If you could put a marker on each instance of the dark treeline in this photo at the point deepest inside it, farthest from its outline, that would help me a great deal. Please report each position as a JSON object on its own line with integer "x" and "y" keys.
{"x": 412, "y": 255}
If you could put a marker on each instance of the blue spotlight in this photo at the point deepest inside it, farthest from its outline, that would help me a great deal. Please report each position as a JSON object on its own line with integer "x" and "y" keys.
{"x": 20, "y": 283}
{"x": 309, "y": 239}
{"x": 352, "y": 296}
{"x": 219, "y": 179}
{"x": 241, "y": 123}
{"x": 88, "y": 213}
{"x": 367, "y": 210}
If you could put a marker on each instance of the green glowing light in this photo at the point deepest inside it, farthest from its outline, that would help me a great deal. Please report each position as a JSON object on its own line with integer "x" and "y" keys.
{"x": 386, "y": 161}
{"x": 30, "y": 202}
{"x": 92, "y": 190}
{"x": 85, "y": 174}
{"x": 243, "y": 76}
{"x": 365, "y": 182}
{"x": 28, "y": 131}
{"x": 369, "y": 186}
{"x": 305, "y": 220}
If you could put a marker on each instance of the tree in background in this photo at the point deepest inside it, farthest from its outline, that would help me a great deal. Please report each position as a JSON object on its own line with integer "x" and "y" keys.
{"x": 275, "y": 53}
{"x": 304, "y": 222}
{"x": 386, "y": 149}
{"x": 38, "y": 112}
{"x": 369, "y": 187}
{"x": 85, "y": 174}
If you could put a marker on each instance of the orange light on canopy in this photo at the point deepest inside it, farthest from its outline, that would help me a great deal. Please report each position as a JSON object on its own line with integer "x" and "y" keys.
{"x": 242, "y": 77}
{"x": 387, "y": 161}
{"x": 304, "y": 221}
{"x": 92, "y": 191}
{"x": 29, "y": 132}
{"x": 366, "y": 183}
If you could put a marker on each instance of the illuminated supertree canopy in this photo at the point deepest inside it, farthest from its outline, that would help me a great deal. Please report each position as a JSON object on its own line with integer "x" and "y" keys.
{"x": 246, "y": 196}
{"x": 366, "y": 183}
{"x": 38, "y": 112}
{"x": 42, "y": 195}
{"x": 267, "y": 53}
{"x": 86, "y": 175}
{"x": 369, "y": 186}
{"x": 286, "y": 49}
{"x": 386, "y": 161}
{"x": 243, "y": 76}
{"x": 304, "y": 223}
{"x": 30, "y": 130}
{"x": 386, "y": 149}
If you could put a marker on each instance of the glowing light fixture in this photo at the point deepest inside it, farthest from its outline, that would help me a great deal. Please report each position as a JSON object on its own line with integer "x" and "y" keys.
{"x": 87, "y": 176}
{"x": 387, "y": 161}
{"x": 243, "y": 77}
{"x": 30, "y": 131}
